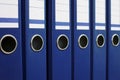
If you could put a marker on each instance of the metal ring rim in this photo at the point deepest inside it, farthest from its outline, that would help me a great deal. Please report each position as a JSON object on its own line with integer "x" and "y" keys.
{"x": 32, "y": 41}
{"x": 118, "y": 38}
{"x": 97, "y": 40}
{"x": 58, "y": 41}
{"x": 8, "y": 35}
{"x": 79, "y": 41}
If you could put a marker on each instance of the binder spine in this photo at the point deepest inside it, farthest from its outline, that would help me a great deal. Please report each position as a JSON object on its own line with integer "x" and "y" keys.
{"x": 82, "y": 40}
{"x": 114, "y": 37}
{"x": 35, "y": 36}
{"x": 61, "y": 40}
{"x": 99, "y": 35}
{"x": 10, "y": 44}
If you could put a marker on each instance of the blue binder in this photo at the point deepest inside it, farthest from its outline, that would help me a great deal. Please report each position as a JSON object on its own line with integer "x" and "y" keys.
{"x": 99, "y": 40}
{"x": 114, "y": 40}
{"x": 10, "y": 43}
{"x": 35, "y": 40}
{"x": 82, "y": 40}
{"x": 59, "y": 40}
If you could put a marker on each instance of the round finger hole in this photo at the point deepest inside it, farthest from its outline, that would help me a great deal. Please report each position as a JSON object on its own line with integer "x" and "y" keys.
{"x": 62, "y": 42}
{"x": 100, "y": 40}
{"x": 83, "y": 41}
{"x": 37, "y": 42}
{"x": 8, "y": 44}
{"x": 115, "y": 40}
